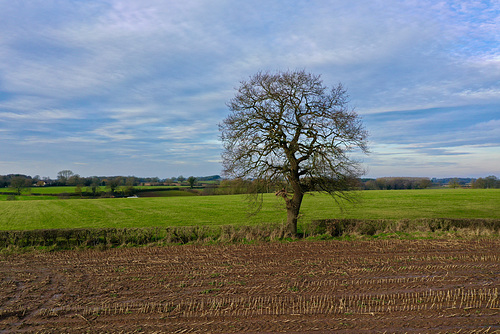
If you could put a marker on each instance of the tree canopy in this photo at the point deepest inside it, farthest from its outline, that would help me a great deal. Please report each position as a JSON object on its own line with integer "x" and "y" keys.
{"x": 287, "y": 128}
{"x": 19, "y": 183}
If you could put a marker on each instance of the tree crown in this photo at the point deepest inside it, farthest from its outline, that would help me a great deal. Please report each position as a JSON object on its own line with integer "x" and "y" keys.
{"x": 288, "y": 126}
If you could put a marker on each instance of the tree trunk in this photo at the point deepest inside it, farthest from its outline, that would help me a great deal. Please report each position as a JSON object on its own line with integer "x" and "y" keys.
{"x": 293, "y": 209}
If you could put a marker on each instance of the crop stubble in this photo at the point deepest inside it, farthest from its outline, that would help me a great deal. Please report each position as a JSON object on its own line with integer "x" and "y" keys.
{"x": 351, "y": 286}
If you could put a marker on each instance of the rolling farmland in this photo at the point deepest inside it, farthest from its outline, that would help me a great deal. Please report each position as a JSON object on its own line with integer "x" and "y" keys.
{"x": 234, "y": 209}
{"x": 364, "y": 285}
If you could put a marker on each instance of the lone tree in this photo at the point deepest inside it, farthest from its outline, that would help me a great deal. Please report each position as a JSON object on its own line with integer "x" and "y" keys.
{"x": 64, "y": 175}
{"x": 19, "y": 183}
{"x": 114, "y": 183}
{"x": 191, "y": 180}
{"x": 287, "y": 128}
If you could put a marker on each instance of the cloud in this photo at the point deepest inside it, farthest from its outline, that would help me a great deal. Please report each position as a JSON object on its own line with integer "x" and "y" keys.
{"x": 102, "y": 81}
{"x": 40, "y": 116}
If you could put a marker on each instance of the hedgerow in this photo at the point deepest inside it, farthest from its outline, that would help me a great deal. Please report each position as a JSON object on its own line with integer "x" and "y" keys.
{"x": 326, "y": 228}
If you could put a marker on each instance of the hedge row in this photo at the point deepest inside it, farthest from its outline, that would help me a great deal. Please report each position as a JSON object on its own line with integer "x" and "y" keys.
{"x": 342, "y": 227}
{"x": 113, "y": 237}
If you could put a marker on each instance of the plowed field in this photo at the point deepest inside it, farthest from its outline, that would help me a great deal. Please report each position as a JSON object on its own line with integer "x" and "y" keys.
{"x": 386, "y": 286}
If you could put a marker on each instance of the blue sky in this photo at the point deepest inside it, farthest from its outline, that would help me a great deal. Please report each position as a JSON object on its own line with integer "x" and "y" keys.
{"x": 132, "y": 87}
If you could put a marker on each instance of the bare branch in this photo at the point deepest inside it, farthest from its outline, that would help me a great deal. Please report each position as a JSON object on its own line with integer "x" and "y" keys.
{"x": 287, "y": 126}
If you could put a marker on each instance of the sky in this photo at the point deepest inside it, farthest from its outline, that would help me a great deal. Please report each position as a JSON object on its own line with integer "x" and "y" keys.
{"x": 127, "y": 87}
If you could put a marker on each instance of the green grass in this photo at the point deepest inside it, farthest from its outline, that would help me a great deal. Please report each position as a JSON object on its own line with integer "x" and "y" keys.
{"x": 413, "y": 204}
{"x": 165, "y": 193}
{"x": 27, "y": 198}
{"x": 232, "y": 209}
{"x": 48, "y": 190}
{"x": 71, "y": 189}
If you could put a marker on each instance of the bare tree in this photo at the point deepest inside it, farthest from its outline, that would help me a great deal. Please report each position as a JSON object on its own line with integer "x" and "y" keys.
{"x": 287, "y": 127}
{"x": 64, "y": 175}
{"x": 20, "y": 183}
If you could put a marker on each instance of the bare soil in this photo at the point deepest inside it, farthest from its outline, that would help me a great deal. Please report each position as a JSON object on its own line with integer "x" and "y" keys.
{"x": 386, "y": 286}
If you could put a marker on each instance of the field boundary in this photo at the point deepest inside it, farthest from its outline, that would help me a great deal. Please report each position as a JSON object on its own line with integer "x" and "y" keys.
{"x": 318, "y": 229}
{"x": 340, "y": 227}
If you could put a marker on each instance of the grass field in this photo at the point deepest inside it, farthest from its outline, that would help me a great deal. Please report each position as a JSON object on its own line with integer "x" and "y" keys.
{"x": 233, "y": 209}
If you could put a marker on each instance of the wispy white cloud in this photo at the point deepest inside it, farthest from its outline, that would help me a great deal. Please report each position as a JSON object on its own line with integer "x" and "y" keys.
{"x": 149, "y": 80}
{"x": 41, "y": 116}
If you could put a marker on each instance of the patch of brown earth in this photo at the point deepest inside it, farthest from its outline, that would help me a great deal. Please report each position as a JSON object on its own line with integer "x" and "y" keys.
{"x": 420, "y": 286}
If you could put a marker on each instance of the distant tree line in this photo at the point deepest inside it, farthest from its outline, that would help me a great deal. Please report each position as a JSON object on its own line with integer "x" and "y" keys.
{"x": 388, "y": 183}
{"x": 487, "y": 182}
{"x": 68, "y": 178}
{"x": 452, "y": 182}
{"x": 6, "y": 180}
{"x": 214, "y": 185}
{"x": 391, "y": 183}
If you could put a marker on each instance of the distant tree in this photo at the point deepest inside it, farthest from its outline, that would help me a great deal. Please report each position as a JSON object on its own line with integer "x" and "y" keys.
{"x": 454, "y": 183}
{"x": 371, "y": 185}
{"x": 492, "y": 182}
{"x": 191, "y": 180}
{"x": 4, "y": 181}
{"x": 288, "y": 129}
{"x": 181, "y": 178}
{"x": 479, "y": 183}
{"x": 94, "y": 186}
{"x": 486, "y": 182}
{"x": 19, "y": 184}
{"x": 382, "y": 183}
{"x": 114, "y": 183}
{"x": 63, "y": 176}
{"x": 74, "y": 180}
{"x": 130, "y": 182}
{"x": 424, "y": 183}
{"x": 388, "y": 183}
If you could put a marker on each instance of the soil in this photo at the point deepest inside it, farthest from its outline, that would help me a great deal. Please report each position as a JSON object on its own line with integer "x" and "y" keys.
{"x": 385, "y": 286}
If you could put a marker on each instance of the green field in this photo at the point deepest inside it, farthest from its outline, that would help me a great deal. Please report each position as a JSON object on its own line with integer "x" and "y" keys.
{"x": 233, "y": 209}
{"x": 46, "y": 190}
{"x": 71, "y": 189}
